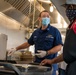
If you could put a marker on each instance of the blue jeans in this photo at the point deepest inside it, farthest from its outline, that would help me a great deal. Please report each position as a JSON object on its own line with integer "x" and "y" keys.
{"x": 55, "y": 68}
{"x": 54, "y": 72}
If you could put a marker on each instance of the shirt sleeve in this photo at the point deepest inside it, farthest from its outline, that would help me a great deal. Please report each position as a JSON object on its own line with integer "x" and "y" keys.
{"x": 30, "y": 40}
{"x": 58, "y": 38}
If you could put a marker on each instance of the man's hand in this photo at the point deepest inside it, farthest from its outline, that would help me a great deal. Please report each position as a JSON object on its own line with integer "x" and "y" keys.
{"x": 11, "y": 51}
{"x": 41, "y": 53}
{"x": 46, "y": 61}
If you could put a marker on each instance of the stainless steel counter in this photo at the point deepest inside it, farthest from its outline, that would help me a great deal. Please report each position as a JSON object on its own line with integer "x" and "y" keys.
{"x": 23, "y": 69}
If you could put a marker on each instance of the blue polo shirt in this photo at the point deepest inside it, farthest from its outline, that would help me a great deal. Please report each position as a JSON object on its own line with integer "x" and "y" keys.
{"x": 45, "y": 40}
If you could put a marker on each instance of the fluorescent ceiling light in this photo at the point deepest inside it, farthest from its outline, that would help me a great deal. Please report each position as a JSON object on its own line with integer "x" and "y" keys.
{"x": 51, "y": 8}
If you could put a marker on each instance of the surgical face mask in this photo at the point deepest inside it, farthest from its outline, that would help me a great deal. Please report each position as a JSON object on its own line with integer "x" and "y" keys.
{"x": 45, "y": 21}
{"x": 71, "y": 14}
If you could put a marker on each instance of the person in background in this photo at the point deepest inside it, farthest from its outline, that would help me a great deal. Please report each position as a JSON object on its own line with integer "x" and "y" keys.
{"x": 47, "y": 40}
{"x": 69, "y": 48}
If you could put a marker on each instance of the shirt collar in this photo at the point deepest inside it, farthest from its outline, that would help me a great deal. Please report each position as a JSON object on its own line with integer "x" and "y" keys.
{"x": 47, "y": 29}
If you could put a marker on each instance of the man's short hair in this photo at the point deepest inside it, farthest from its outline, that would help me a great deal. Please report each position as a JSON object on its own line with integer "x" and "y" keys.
{"x": 42, "y": 12}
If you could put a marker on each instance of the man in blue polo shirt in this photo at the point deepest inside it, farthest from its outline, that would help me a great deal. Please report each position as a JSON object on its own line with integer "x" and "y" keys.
{"x": 47, "y": 41}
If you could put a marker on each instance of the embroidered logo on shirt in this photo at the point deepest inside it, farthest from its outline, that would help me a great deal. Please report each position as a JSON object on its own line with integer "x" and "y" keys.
{"x": 49, "y": 36}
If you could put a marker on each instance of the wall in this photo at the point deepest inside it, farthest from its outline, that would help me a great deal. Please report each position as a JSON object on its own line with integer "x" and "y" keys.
{"x": 11, "y": 28}
{"x": 15, "y": 37}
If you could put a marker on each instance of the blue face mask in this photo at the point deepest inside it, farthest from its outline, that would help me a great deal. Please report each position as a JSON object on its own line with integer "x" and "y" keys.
{"x": 45, "y": 21}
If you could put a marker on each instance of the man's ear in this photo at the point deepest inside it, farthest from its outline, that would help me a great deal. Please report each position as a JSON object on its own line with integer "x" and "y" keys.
{"x": 39, "y": 18}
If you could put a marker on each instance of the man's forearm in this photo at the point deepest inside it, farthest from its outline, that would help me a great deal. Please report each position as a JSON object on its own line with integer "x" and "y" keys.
{"x": 57, "y": 59}
{"x": 54, "y": 49}
{"x": 24, "y": 45}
